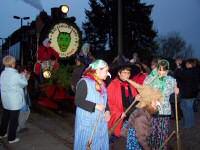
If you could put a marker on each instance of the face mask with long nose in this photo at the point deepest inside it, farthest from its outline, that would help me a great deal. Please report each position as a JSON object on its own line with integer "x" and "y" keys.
{"x": 109, "y": 75}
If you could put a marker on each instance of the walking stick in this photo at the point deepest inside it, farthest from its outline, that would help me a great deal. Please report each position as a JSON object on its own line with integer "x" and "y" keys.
{"x": 177, "y": 123}
{"x": 134, "y": 103}
{"x": 177, "y": 129}
{"x": 89, "y": 143}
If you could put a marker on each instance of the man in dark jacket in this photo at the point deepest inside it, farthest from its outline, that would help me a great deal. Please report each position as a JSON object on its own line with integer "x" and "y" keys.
{"x": 188, "y": 81}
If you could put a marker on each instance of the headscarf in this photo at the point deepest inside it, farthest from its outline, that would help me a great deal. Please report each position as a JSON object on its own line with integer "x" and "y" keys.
{"x": 90, "y": 72}
{"x": 160, "y": 82}
{"x": 97, "y": 64}
{"x": 163, "y": 63}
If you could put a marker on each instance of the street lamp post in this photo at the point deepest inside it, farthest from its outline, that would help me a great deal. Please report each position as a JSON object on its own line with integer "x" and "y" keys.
{"x": 21, "y": 46}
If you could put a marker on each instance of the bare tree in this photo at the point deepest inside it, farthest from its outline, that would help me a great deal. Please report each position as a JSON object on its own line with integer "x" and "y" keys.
{"x": 188, "y": 52}
{"x": 173, "y": 45}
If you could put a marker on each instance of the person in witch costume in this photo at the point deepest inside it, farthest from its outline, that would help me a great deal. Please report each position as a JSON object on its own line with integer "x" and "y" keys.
{"x": 44, "y": 55}
{"x": 45, "y": 52}
{"x": 92, "y": 110}
{"x": 120, "y": 96}
{"x": 138, "y": 127}
{"x": 159, "y": 79}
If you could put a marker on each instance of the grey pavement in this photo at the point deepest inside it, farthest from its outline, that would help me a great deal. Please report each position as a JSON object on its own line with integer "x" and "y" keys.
{"x": 44, "y": 132}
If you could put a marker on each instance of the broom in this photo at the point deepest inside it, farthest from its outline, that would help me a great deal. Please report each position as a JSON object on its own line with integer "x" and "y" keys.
{"x": 147, "y": 93}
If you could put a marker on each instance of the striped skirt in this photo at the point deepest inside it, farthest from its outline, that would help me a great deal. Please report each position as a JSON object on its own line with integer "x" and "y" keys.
{"x": 84, "y": 129}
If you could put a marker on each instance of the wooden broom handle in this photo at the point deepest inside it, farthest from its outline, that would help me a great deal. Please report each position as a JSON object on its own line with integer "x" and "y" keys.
{"x": 95, "y": 127}
{"x": 120, "y": 119}
{"x": 167, "y": 140}
{"x": 177, "y": 123}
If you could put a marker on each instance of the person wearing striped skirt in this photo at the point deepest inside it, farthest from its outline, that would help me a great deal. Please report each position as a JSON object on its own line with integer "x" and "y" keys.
{"x": 159, "y": 79}
{"x": 92, "y": 114}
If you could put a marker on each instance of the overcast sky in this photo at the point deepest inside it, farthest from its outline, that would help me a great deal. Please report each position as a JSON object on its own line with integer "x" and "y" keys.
{"x": 168, "y": 15}
{"x": 9, "y": 8}
{"x": 181, "y": 16}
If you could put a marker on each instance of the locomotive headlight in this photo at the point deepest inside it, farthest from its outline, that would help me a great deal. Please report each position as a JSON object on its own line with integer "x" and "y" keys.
{"x": 64, "y": 9}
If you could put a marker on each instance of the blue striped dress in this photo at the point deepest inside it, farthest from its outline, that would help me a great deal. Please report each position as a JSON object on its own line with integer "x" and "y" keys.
{"x": 85, "y": 121}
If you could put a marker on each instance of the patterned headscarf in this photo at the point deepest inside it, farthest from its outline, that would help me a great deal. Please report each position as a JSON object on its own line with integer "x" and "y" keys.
{"x": 90, "y": 72}
{"x": 164, "y": 64}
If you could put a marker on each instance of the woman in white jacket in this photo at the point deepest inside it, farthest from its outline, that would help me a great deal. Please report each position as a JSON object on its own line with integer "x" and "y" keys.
{"x": 12, "y": 96}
